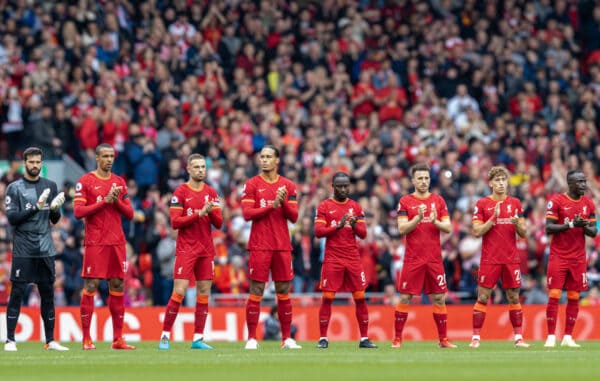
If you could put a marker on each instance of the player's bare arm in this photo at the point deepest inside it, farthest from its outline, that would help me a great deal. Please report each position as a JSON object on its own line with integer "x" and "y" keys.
{"x": 405, "y": 227}
{"x": 519, "y": 223}
{"x": 342, "y": 222}
{"x": 552, "y": 227}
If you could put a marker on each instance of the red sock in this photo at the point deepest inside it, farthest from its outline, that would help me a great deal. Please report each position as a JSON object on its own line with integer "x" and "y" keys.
{"x": 571, "y": 315}
{"x": 284, "y": 312}
{"x": 515, "y": 314}
{"x": 117, "y": 312}
{"x": 400, "y": 317}
{"x": 201, "y": 313}
{"x": 252, "y": 314}
{"x": 86, "y": 308}
{"x": 441, "y": 321}
{"x": 551, "y": 315}
{"x": 362, "y": 316}
{"x": 479, "y": 312}
{"x": 171, "y": 311}
{"x": 324, "y": 315}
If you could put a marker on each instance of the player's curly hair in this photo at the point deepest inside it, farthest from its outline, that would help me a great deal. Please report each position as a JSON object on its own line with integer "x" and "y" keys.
{"x": 497, "y": 171}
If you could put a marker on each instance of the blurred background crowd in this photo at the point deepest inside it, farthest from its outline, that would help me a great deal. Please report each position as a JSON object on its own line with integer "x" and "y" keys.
{"x": 364, "y": 86}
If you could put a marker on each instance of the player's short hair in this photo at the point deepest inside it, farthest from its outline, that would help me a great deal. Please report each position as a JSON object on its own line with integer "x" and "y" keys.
{"x": 31, "y": 151}
{"x": 338, "y": 175}
{"x": 497, "y": 171}
{"x": 573, "y": 172}
{"x": 102, "y": 146}
{"x": 195, "y": 156}
{"x": 272, "y": 147}
{"x": 418, "y": 167}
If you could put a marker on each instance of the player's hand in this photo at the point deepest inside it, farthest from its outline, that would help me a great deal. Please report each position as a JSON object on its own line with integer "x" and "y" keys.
{"x": 433, "y": 215}
{"x": 207, "y": 208}
{"x": 43, "y": 198}
{"x": 515, "y": 219}
{"x": 497, "y": 209}
{"x": 352, "y": 221}
{"x": 342, "y": 221}
{"x": 58, "y": 201}
{"x": 579, "y": 221}
{"x": 421, "y": 211}
{"x": 280, "y": 197}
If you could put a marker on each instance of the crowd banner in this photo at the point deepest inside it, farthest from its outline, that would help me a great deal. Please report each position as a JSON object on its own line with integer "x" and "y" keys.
{"x": 228, "y": 323}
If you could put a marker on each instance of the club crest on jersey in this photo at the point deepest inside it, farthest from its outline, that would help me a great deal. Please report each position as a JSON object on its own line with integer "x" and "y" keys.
{"x": 509, "y": 208}
{"x": 584, "y": 211}
{"x": 174, "y": 200}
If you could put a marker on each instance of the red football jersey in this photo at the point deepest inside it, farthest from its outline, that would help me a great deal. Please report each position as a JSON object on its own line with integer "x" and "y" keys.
{"x": 423, "y": 243}
{"x": 104, "y": 226}
{"x": 195, "y": 236}
{"x": 499, "y": 244}
{"x": 340, "y": 245}
{"x": 269, "y": 226}
{"x": 569, "y": 244}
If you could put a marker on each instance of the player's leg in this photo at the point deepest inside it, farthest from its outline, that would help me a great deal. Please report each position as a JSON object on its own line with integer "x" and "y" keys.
{"x": 511, "y": 282}
{"x": 555, "y": 280}
{"x": 576, "y": 282}
{"x": 258, "y": 269}
{"x": 435, "y": 286}
{"x": 117, "y": 268}
{"x": 283, "y": 273}
{"x": 13, "y": 310}
{"x": 355, "y": 279}
{"x": 410, "y": 283}
{"x": 487, "y": 277}
{"x": 204, "y": 272}
{"x": 332, "y": 276}
{"x": 182, "y": 275}
{"x": 94, "y": 268}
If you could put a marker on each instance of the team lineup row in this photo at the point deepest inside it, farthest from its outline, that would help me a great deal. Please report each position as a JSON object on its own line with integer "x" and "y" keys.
{"x": 269, "y": 201}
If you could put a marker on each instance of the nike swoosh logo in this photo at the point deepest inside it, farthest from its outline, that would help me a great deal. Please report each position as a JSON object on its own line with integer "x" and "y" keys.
{"x": 98, "y": 187}
{"x": 188, "y": 199}
{"x": 262, "y": 190}
{"x": 567, "y": 208}
{"x": 331, "y": 211}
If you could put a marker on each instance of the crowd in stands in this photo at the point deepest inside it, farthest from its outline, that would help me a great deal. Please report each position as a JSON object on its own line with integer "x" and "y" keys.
{"x": 369, "y": 87}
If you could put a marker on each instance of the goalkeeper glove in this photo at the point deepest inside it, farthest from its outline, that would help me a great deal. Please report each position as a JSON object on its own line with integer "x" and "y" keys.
{"x": 43, "y": 198}
{"x": 58, "y": 201}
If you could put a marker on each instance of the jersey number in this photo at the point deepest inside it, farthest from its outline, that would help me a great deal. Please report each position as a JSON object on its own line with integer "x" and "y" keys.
{"x": 518, "y": 275}
{"x": 441, "y": 280}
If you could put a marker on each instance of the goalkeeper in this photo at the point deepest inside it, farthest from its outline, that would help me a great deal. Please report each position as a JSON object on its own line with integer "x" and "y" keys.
{"x": 32, "y": 202}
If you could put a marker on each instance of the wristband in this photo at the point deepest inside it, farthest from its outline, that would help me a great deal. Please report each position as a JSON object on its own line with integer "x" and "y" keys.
{"x": 571, "y": 225}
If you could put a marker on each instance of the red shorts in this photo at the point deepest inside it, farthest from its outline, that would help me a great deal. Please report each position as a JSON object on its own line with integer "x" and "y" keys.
{"x": 193, "y": 268}
{"x": 104, "y": 262}
{"x": 350, "y": 276}
{"x": 418, "y": 276}
{"x": 568, "y": 275}
{"x": 509, "y": 273}
{"x": 278, "y": 262}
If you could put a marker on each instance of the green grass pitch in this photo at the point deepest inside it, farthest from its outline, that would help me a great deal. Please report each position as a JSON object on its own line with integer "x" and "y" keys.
{"x": 342, "y": 361}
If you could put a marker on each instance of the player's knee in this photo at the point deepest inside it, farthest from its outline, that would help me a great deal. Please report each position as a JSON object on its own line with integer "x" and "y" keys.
{"x": 46, "y": 290}
{"x": 18, "y": 291}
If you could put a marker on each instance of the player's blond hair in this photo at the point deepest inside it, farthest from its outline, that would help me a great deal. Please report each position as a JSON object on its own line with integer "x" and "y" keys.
{"x": 497, "y": 171}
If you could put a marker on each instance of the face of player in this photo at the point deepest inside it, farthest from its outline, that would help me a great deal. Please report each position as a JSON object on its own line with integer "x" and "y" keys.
{"x": 105, "y": 159}
{"x": 268, "y": 160}
{"x": 33, "y": 166}
{"x": 499, "y": 185}
{"x": 197, "y": 170}
{"x": 421, "y": 181}
{"x": 577, "y": 184}
{"x": 341, "y": 188}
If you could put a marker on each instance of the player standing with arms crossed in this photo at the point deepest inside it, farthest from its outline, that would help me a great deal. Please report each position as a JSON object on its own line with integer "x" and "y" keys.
{"x": 570, "y": 217}
{"x": 194, "y": 208}
{"x": 33, "y": 250}
{"x": 422, "y": 215}
{"x": 269, "y": 201}
{"x": 341, "y": 220}
{"x": 101, "y": 198}
{"x": 497, "y": 218}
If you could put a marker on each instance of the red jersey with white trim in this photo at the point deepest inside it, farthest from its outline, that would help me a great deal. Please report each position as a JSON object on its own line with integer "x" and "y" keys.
{"x": 269, "y": 225}
{"x": 569, "y": 244}
{"x": 423, "y": 243}
{"x": 340, "y": 245}
{"x": 104, "y": 226}
{"x": 194, "y": 236}
{"x": 499, "y": 244}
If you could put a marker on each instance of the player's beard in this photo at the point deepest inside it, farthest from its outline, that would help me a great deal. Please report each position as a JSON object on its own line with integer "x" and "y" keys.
{"x": 32, "y": 172}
